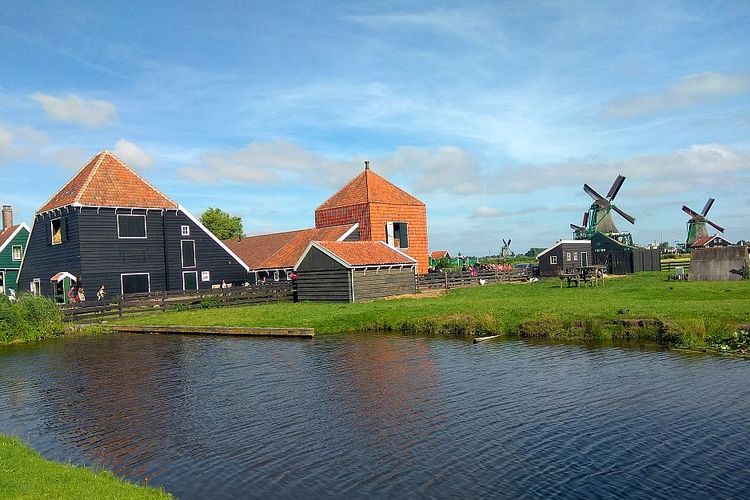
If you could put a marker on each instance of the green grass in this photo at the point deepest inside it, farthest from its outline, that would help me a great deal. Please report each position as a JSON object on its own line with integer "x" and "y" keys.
{"x": 29, "y": 318}
{"x": 25, "y": 474}
{"x": 694, "y": 315}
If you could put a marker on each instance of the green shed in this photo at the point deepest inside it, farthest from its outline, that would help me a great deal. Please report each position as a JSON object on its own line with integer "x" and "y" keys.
{"x": 13, "y": 242}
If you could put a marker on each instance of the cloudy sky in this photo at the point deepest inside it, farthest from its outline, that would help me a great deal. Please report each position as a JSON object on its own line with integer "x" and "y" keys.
{"x": 493, "y": 113}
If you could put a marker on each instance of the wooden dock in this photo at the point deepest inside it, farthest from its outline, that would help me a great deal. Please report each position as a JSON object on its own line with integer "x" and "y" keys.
{"x": 217, "y": 330}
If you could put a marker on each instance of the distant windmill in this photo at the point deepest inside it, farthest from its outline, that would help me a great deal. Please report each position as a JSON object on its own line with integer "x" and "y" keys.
{"x": 599, "y": 215}
{"x": 696, "y": 225}
{"x": 506, "y": 251}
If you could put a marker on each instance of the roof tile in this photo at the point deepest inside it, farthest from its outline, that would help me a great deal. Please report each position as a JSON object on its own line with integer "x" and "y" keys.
{"x": 369, "y": 187}
{"x": 366, "y": 253}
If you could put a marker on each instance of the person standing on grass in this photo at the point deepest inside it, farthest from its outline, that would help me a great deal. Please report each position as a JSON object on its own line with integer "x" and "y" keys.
{"x": 101, "y": 293}
{"x": 81, "y": 295}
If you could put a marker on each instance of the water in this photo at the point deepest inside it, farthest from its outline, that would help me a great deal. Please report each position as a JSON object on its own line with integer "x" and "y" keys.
{"x": 385, "y": 416}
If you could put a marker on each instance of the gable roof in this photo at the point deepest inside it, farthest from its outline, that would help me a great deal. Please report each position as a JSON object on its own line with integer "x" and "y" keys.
{"x": 105, "y": 181}
{"x": 440, "y": 254}
{"x": 10, "y": 233}
{"x": 560, "y": 242}
{"x": 283, "y": 250}
{"x": 705, "y": 240}
{"x": 369, "y": 187}
{"x": 361, "y": 253}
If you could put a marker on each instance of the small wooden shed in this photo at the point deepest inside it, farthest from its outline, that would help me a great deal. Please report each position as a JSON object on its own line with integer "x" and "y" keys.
{"x": 353, "y": 271}
{"x": 565, "y": 254}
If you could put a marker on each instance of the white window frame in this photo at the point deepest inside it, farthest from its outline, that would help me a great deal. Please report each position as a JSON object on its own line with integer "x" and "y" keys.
{"x": 35, "y": 286}
{"x": 587, "y": 257}
{"x": 182, "y": 256}
{"x": 13, "y": 252}
{"x": 575, "y": 256}
{"x": 197, "y": 283}
{"x": 289, "y": 275}
{"x": 567, "y": 257}
{"x": 205, "y": 276}
{"x": 145, "y": 227}
{"x": 184, "y": 230}
{"x": 276, "y": 275}
{"x": 52, "y": 231}
{"x": 553, "y": 259}
{"x": 122, "y": 284}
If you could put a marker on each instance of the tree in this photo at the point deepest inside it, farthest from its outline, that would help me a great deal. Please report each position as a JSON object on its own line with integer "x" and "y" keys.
{"x": 222, "y": 224}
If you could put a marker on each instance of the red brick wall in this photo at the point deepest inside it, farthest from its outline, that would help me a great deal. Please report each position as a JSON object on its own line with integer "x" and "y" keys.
{"x": 372, "y": 220}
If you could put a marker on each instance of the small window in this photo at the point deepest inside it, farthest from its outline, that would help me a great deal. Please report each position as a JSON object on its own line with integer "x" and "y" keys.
{"x": 289, "y": 275}
{"x": 553, "y": 259}
{"x": 276, "y": 276}
{"x": 185, "y": 230}
{"x": 17, "y": 252}
{"x": 205, "y": 275}
{"x": 188, "y": 253}
{"x": 35, "y": 287}
{"x": 57, "y": 231}
{"x": 575, "y": 256}
{"x": 397, "y": 234}
{"x": 131, "y": 226}
{"x": 567, "y": 256}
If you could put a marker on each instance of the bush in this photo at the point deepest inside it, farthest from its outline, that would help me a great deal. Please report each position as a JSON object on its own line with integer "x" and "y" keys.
{"x": 29, "y": 318}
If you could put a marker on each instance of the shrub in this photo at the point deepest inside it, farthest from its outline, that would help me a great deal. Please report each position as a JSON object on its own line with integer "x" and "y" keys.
{"x": 29, "y": 318}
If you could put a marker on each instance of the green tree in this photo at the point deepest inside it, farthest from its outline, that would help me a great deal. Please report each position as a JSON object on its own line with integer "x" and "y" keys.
{"x": 222, "y": 224}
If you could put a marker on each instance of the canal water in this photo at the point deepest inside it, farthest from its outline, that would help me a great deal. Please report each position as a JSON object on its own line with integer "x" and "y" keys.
{"x": 385, "y": 416}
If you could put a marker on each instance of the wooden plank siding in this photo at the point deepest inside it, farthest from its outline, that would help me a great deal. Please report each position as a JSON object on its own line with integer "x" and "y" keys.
{"x": 324, "y": 285}
{"x": 372, "y": 284}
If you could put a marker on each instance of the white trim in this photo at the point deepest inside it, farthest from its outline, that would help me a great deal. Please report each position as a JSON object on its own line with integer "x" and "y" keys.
{"x": 560, "y": 242}
{"x": 348, "y": 232}
{"x": 184, "y": 230}
{"x": 15, "y": 233}
{"x": 13, "y": 249}
{"x": 20, "y": 266}
{"x": 197, "y": 283}
{"x": 122, "y": 286}
{"x": 182, "y": 256}
{"x": 65, "y": 274}
{"x": 4, "y": 290}
{"x": 145, "y": 227}
{"x": 213, "y": 237}
{"x": 32, "y": 283}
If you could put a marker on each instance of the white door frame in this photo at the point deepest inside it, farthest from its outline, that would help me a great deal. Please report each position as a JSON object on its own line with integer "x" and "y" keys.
{"x": 197, "y": 283}
{"x": 4, "y": 283}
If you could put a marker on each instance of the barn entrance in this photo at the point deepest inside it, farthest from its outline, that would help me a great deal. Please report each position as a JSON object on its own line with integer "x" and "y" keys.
{"x": 190, "y": 280}
{"x": 61, "y": 284}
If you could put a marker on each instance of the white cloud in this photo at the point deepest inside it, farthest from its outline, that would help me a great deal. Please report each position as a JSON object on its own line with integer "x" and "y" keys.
{"x": 17, "y": 143}
{"x": 91, "y": 113}
{"x": 487, "y": 212}
{"x": 132, "y": 155}
{"x": 690, "y": 91}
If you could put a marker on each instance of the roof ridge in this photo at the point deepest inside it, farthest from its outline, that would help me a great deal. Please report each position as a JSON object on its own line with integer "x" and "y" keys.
{"x": 142, "y": 179}
{"x": 74, "y": 176}
{"x": 85, "y": 186}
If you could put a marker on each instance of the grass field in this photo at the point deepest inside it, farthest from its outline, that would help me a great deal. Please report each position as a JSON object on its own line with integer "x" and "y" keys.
{"x": 645, "y": 306}
{"x": 25, "y": 474}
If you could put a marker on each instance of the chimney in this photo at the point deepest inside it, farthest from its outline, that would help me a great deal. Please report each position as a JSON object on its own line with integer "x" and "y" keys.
{"x": 367, "y": 164}
{"x": 7, "y": 217}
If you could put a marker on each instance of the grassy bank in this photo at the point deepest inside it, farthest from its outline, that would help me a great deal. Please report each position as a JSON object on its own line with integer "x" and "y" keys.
{"x": 25, "y": 474}
{"x": 29, "y": 318}
{"x": 695, "y": 315}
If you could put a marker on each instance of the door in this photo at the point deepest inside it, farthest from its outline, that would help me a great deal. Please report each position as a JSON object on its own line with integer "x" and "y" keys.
{"x": 135, "y": 283}
{"x": 584, "y": 259}
{"x": 190, "y": 280}
{"x": 2, "y": 282}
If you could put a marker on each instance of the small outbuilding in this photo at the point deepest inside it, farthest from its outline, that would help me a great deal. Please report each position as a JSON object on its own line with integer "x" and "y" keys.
{"x": 565, "y": 254}
{"x": 353, "y": 271}
{"x": 720, "y": 263}
{"x": 710, "y": 242}
{"x": 620, "y": 258}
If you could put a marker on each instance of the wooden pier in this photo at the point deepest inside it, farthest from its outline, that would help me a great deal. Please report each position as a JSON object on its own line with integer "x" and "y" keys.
{"x": 217, "y": 330}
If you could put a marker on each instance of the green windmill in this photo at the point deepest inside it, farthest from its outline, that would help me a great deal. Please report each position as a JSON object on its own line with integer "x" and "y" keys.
{"x": 696, "y": 225}
{"x": 599, "y": 216}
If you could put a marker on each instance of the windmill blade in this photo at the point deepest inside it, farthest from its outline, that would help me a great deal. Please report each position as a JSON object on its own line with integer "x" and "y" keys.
{"x": 624, "y": 215}
{"x": 692, "y": 213}
{"x": 596, "y": 196}
{"x": 577, "y": 228}
{"x": 615, "y": 187}
{"x": 509, "y": 240}
{"x": 721, "y": 229}
{"x": 708, "y": 206}
{"x": 585, "y": 219}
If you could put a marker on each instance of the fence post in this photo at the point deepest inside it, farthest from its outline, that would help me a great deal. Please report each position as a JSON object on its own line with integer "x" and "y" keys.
{"x": 119, "y": 304}
{"x": 445, "y": 274}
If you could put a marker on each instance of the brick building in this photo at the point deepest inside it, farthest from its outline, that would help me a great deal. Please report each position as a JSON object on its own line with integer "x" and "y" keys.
{"x": 384, "y": 213}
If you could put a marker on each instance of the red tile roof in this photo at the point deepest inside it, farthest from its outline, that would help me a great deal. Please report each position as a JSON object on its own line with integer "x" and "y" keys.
{"x": 105, "y": 181}
{"x": 281, "y": 250}
{"x": 702, "y": 241}
{"x": 439, "y": 254}
{"x": 365, "y": 253}
{"x": 5, "y": 235}
{"x": 369, "y": 187}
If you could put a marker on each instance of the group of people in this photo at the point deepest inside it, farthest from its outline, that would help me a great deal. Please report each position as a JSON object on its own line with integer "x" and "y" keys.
{"x": 76, "y": 294}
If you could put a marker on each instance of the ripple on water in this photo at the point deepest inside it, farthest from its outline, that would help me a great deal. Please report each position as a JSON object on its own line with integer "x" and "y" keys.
{"x": 385, "y": 416}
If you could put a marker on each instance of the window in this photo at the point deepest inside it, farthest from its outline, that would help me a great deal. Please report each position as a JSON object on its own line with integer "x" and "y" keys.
{"x": 205, "y": 275}
{"x": 135, "y": 283}
{"x": 553, "y": 259}
{"x": 190, "y": 280}
{"x": 575, "y": 256}
{"x": 187, "y": 248}
{"x": 17, "y": 252}
{"x": 397, "y": 234}
{"x": 131, "y": 226}
{"x": 58, "y": 231}
{"x": 35, "y": 286}
{"x": 289, "y": 275}
{"x": 185, "y": 230}
{"x": 567, "y": 256}
{"x": 276, "y": 276}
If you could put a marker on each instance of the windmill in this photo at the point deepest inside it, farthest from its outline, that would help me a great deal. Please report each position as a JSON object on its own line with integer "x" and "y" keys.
{"x": 599, "y": 216}
{"x": 696, "y": 225}
{"x": 506, "y": 251}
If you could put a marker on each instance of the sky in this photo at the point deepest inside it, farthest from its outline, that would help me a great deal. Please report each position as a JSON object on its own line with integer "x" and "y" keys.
{"x": 492, "y": 113}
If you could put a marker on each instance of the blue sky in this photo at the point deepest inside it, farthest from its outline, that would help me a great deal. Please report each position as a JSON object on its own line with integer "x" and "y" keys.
{"x": 493, "y": 113}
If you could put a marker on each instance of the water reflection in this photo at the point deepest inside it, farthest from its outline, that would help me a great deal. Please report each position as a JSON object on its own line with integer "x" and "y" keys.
{"x": 385, "y": 416}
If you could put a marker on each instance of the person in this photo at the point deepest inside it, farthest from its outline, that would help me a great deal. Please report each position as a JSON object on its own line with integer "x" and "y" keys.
{"x": 224, "y": 284}
{"x": 101, "y": 293}
{"x": 11, "y": 295}
{"x": 72, "y": 295}
{"x": 81, "y": 296}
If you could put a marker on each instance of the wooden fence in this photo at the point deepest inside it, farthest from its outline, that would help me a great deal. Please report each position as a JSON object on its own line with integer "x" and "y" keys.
{"x": 671, "y": 264}
{"x": 449, "y": 280}
{"x": 149, "y": 303}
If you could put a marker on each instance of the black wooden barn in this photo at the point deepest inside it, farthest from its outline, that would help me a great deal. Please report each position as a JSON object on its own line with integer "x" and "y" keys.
{"x": 623, "y": 259}
{"x": 565, "y": 254}
{"x": 353, "y": 271}
{"x": 108, "y": 226}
